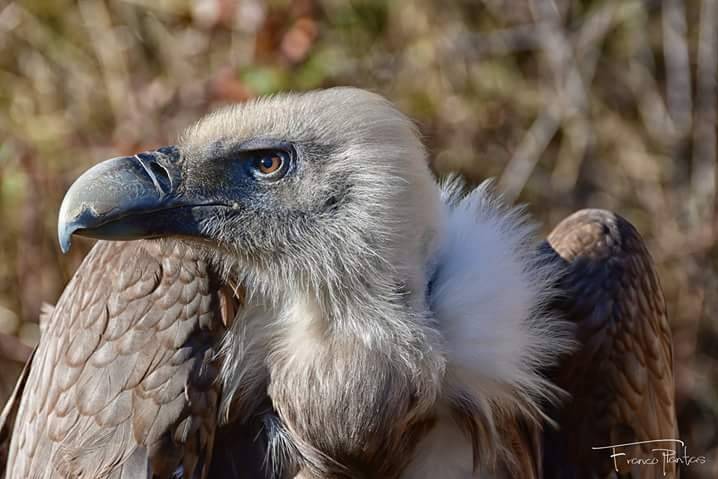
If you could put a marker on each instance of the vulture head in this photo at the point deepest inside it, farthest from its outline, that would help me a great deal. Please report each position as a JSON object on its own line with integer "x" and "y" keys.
{"x": 314, "y": 191}
{"x": 358, "y": 325}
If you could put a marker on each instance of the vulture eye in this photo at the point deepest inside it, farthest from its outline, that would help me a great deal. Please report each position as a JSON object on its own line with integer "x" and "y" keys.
{"x": 270, "y": 164}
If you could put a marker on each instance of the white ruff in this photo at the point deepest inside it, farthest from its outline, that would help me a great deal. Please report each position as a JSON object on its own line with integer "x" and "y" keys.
{"x": 488, "y": 297}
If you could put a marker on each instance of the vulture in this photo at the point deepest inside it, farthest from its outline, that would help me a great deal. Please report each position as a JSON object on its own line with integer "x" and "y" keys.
{"x": 288, "y": 292}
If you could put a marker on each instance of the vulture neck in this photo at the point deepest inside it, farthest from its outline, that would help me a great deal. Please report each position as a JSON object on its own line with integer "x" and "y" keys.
{"x": 315, "y": 327}
{"x": 355, "y": 381}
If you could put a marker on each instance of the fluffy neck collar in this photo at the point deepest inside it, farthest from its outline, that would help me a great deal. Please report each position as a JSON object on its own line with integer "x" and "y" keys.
{"x": 489, "y": 297}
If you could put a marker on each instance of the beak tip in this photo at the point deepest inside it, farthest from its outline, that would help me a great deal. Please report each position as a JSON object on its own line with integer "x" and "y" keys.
{"x": 65, "y": 244}
{"x": 64, "y": 236}
{"x": 65, "y": 224}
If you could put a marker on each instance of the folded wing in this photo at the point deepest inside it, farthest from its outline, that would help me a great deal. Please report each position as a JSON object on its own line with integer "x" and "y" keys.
{"x": 620, "y": 377}
{"x": 122, "y": 383}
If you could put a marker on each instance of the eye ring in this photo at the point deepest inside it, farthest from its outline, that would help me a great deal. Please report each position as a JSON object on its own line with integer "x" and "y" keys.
{"x": 270, "y": 164}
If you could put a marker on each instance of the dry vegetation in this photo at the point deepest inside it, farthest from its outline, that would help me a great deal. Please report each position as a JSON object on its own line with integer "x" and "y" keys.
{"x": 571, "y": 104}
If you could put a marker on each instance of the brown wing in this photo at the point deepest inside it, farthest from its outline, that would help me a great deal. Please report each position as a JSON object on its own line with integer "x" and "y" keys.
{"x": 522, "y": 449}
{"x": 123, "y": 381}
{"x": 620, "y": 378}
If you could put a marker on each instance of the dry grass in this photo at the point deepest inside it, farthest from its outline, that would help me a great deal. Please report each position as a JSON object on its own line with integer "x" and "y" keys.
{"x": 608, "y": 104}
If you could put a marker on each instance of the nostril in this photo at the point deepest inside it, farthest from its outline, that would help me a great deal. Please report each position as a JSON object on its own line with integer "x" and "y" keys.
{"x": 162, "y": 175}
{"x": 158, "y": 174}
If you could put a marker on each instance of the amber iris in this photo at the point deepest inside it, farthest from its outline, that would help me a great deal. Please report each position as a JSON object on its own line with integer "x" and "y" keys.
{"x": 269, "y": 164}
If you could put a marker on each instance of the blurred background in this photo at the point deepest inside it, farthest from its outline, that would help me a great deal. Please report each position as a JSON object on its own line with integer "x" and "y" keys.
{"x": 570, "y": 104}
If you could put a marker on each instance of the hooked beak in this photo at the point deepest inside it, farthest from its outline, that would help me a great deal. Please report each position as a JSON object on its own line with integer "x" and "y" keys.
{"x": 132, "y": 197}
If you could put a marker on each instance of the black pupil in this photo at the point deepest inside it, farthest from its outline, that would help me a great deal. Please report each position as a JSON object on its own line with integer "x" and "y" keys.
{"x": 268, "y": 162}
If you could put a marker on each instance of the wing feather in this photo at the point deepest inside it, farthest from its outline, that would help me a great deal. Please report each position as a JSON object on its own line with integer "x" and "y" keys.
{"x": 621, "y": 377}
{"x": 121, "y": 366}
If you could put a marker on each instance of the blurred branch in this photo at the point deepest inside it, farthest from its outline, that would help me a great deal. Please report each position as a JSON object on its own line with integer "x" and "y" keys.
{"x": 703, "y": 180}
{"x": 43, "y": 39}
{"x": 572, "y": 71}
{"x": 651, "y": 107}
{"x": 519, "y": 169}
{"x": 678, "y": 64}
{"x": 569, "y": 88}
{"x": 109, "y": 50}
{"x": 473, "y": 46}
